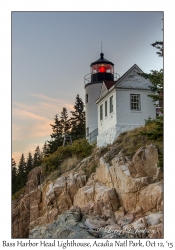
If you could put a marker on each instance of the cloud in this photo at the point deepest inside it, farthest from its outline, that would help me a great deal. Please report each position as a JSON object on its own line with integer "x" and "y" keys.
{"x": 29, "y": 125}
{"x": 52, "y": 101}
{"x": 32, "y": 121}
{"x": 16, "y": 155}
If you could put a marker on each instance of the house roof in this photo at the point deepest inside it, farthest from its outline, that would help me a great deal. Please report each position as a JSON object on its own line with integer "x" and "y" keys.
{"x": 109, "y": 84}
{"x": 130, "y": 79}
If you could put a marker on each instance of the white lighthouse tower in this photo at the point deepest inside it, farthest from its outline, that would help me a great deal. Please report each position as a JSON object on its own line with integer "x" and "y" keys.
{"x": 101, "y": 70}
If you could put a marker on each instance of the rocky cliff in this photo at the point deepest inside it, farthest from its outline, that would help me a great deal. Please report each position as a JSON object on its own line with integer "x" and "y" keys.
{"x": 122, "y": 198}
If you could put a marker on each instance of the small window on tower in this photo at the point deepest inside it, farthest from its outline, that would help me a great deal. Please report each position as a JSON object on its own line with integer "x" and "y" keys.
{"x": 87, "y": 131}
{"x": 86, "y": 98}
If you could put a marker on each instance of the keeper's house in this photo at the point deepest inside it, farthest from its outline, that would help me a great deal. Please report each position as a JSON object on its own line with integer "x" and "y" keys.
{"x": 123, "y": 105}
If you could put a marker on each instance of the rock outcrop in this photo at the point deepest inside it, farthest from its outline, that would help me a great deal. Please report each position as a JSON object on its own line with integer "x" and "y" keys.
{"x": 124, "y": 199}
{"x": 41, "y": 204}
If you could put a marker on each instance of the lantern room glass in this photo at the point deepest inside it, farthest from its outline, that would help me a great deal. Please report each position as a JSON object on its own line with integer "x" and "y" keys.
{"x": 102, "y": 68}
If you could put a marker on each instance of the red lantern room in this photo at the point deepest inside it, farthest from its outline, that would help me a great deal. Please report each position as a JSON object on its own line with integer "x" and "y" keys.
{"x": 102, "y": 69}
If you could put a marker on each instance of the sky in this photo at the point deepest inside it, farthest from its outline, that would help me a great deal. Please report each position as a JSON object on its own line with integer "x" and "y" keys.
{"x": 51, "y": 54}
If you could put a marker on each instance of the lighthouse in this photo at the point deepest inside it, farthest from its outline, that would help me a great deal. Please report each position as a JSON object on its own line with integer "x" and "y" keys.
{"x": 100, "y": 70}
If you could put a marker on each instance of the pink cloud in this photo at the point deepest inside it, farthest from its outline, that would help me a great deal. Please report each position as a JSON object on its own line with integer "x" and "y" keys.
{"x": 32, "y": 121}
{"x": 28, "y": 148}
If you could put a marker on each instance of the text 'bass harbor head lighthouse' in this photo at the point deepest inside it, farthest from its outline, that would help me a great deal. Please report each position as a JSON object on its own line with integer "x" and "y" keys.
{"x": 101, "y": 70}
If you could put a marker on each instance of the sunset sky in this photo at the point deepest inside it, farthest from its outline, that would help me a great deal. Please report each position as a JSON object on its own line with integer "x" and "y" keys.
{"x": 52, "y": 52}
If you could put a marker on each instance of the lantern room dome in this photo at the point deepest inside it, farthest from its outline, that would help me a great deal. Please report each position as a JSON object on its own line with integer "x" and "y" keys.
{"x": 101, "y": 60}
{"x": 100, "y": 70}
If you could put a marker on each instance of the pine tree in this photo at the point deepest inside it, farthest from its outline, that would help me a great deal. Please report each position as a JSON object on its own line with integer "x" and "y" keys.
{"x": 45, "y": 149}
{"x": 56, "y": 136}
{"x": 37, "y": 158}
{"x": 65, "y": 123}
{"x": 78, "y": 119}
{"x": 29, "y": 163}
{"x": 156, "y": 77}
{"x": 14, "y": 177}
{"x": 22, "y": 176}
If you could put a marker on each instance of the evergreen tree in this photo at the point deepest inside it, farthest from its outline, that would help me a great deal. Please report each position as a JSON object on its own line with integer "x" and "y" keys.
{"x": 78, "y": 119}
{"x": 37, "y": 158}
{"x": 156, "y": 77}
{"x": 14, "y": 177}
{"x": 45, "y": 149}
{"x": 56, "y": 136}
{"x": 22, "y": 176}
{"x": 29, "y": 163}
{"x": 65, "y": 123}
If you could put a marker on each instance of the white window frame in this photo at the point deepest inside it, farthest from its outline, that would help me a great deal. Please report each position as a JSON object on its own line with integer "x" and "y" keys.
{"x": 106, "y": 108}
{"x": 101, "y": 112}
{"x": 111, "y": 105}
{"x": 135, "y": 103}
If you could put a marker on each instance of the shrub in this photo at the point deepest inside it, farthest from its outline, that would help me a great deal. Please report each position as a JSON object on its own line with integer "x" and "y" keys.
{"x": 68, "y": 156}
{"x": 16, "y": 195}
{"x": 69, "y": 163}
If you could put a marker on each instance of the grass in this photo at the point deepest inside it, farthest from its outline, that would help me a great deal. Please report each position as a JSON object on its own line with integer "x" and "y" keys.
{"x": 129, "y": 142}
{"x": 16, "y": 195}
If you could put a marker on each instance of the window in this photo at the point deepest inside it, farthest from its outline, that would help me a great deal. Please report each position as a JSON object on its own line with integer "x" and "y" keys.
{"x": 101, "y": 112}
{"x": 106, "y": 108}
{"x": 135, "y": 102}
{"x": 86, "y": 98}
{"x": 87, "y": 131}
{"x": 111, "y": 104}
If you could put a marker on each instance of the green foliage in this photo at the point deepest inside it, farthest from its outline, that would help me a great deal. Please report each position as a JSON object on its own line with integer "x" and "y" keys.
{"x": 158, "y": 45}
{"x": 78, "y": 119}
{"x": 45, "y": 149}
{"x": 157, "y": 132}
{"x": 75, "y": 126}
{"x": 79, "y": 149}
{"x": 29, "y": 163}
{"x": 65, "y": 123}
{"x": 56, "y": 136}
{"x": 22, "y": 177}
{"x": 14, "y": 177}
{"x": 156, "y": 77}
{"x": 17, "y": 194}
{"x": 37, "y": 158}
{"x": 130, "y": 141}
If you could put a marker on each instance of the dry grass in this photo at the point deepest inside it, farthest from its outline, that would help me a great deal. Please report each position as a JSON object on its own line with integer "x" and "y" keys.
{"x": 69, "y": 163}
{"x": 129, "y": 142}
{"x": 65, "y": 166}
{"x": 53, "y": 175}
